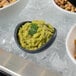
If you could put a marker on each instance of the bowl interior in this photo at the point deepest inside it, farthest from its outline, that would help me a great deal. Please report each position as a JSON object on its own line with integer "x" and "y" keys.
{"x": 70, "y": 46}
{"x": 45, "y": 46}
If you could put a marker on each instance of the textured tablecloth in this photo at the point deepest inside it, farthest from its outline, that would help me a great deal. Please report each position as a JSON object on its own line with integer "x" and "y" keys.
{"x": 55, "y": 57}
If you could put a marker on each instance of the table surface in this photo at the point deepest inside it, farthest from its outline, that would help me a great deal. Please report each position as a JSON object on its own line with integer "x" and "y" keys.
{"x": 55, "y": 57}
{"x": 22, "y": 67}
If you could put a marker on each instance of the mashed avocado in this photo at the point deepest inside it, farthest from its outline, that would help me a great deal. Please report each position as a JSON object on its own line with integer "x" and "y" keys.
{"x": 35, "y": 34}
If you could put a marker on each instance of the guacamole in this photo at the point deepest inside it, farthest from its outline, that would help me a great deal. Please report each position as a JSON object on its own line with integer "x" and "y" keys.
{"x": 35, "y": 34}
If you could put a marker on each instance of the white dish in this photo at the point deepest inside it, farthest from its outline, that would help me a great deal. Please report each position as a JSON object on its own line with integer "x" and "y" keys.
{"x": 7, "y": 71}
{"x": 70, "y": 47}
{"x": 11, "y": 4}
{"x": 63, "y": 10}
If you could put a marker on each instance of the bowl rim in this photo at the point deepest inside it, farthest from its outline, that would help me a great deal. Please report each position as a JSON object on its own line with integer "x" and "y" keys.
{"x": 74, "y": 61}
{"x": 45, "y": 46}
{"x": 6, "y": 70}
{"x": 9, "y": 5}
{"x": 61, "y": 9}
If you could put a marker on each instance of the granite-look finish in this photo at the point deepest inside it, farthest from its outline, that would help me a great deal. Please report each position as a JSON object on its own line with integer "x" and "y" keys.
{"x": 54, "y": 57}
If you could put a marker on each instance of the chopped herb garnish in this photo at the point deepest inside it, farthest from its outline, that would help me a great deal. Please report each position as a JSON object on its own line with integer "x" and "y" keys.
{"x": 33, "y": 29}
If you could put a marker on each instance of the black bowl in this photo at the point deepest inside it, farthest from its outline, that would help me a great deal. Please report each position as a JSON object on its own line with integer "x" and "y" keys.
{"x": 45, "y": 46}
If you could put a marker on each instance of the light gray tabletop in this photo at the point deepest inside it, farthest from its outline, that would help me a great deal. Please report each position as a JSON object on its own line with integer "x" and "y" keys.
{"x": 55, "y": 57}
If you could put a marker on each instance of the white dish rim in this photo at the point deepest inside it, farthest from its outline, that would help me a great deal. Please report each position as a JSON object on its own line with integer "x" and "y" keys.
{"x": 8, "y": 71}
{"x": 74, "y": 61}
{"x": 63, "y": 10}
{"x": 9, "y": 5}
